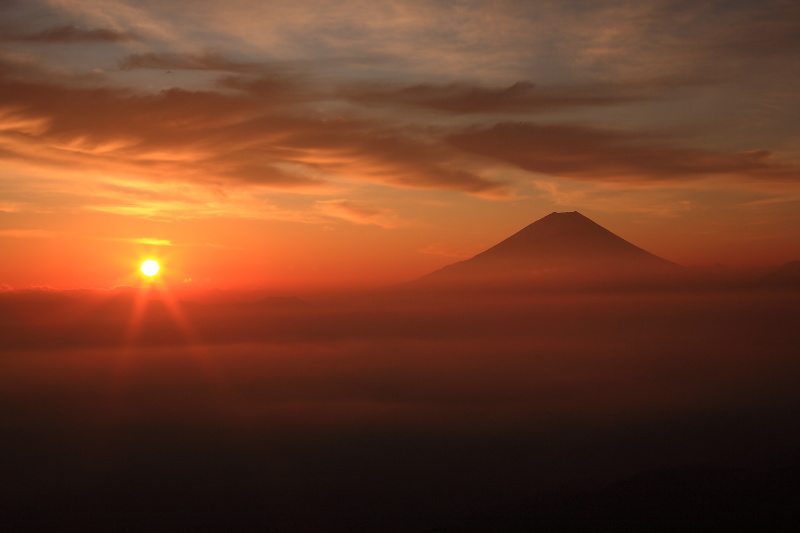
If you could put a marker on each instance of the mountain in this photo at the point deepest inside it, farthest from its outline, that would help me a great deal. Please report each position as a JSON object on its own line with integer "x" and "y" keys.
{"x": 559, "y": 250}
{"x": 786, "y": 276}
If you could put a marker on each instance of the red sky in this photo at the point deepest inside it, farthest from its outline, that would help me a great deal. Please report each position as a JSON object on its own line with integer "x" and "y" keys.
{"x": 362, "y": 143}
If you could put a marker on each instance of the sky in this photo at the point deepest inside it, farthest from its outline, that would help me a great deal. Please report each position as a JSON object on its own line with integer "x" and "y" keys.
{"x": 352, "y": 143}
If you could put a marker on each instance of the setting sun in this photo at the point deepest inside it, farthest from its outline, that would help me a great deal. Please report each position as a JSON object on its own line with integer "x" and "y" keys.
{"x": 150, "y": 268}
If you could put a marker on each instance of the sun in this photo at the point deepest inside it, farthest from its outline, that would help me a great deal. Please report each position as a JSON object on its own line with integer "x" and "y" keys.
{"x": 150, "y": 268}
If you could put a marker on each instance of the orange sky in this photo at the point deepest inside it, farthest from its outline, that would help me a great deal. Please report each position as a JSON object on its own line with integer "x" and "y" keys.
{"x": 354, "y": 143}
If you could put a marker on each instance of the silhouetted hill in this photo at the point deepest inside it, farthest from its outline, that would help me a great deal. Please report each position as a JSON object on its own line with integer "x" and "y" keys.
{"x": 787, "y": 275}
{"x": 561, "y": 249}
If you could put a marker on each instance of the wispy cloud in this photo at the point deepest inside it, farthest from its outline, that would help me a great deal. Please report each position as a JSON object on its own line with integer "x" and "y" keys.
{"x": 774, "y": 200}
{"x": 207, "y": 60}
{"x": 29, "y": 233}
{"x": 153, "y": 242}
{"x": 10, "y": 207}
{"x": 358, "y": 213}
{"x": 75, "y": 34}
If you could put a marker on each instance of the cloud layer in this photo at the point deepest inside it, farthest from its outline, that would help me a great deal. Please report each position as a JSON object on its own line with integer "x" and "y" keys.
{"x": 382, "y": 99}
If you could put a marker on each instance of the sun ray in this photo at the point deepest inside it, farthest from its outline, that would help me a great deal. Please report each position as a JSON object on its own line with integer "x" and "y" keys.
{"x": 153, "y": 295}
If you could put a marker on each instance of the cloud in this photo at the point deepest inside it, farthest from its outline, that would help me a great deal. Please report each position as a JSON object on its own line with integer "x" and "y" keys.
{"x": 10, "y": 207}
{"x": 257, "y": 137}
{"x": 29, "y": 233}
{"x": 153, "y": 242}
{"x": 170, "y": 201}
{"x": 520, "y": 97}
{"x": 166, "y": 242}
{"x": 358, "y": 213}
{"x": 774, "y": 200}
{"x": 188, "y": 61}
{"x": 75, "y": 34}
{"x": 599, "y": 154}
{"x": 770, "y": 28}
{"x": 215, "y": 61}
{"x": 277, "y": 117}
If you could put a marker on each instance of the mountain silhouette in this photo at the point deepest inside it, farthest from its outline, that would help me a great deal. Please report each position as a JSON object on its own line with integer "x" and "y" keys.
{"x": 787, "y": 276}
{"x": 561, "y": 249}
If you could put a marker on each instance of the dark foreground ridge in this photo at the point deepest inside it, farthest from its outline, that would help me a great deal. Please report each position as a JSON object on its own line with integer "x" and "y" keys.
{"x": 559, "y": 250}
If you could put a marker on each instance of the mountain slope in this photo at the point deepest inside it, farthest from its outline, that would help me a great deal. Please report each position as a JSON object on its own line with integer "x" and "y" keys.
{"x": 559, "y": 249}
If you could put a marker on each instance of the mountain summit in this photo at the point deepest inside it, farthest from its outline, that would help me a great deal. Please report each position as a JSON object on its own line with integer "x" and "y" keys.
{"x": 561, "y": 248}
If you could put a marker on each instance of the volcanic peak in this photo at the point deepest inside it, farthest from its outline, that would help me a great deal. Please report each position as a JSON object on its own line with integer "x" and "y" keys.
{"x": 560, "y": 245}
{"x": 568, "y": 235}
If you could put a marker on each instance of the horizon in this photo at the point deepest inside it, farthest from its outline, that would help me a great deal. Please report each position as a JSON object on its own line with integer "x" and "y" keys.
{"x": 189, "y": 286}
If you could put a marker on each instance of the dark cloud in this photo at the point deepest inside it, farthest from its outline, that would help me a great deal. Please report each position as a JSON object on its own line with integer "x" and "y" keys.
{"x": 601, "y": 154}
{"x": 387, "y": 155}
{"x": 522, "y": 96}
{"x": 219, "y": 138}
{"x": 269, "y": 124}
{"x": 211, "y": 60}
{"x": 761, "y": 28}
{"x": 251, "y": 135}
{"x": 75, "y": 34}
{"x": 203, "y": 61}
{"x": 263, "y": 86}
{"x": 181, "y": 135}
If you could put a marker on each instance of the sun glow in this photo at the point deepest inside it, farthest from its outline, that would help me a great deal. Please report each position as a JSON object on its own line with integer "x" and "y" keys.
{"x": 150, "y": 268}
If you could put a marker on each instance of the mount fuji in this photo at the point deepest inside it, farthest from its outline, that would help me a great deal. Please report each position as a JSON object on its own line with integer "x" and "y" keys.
{"x": 559, "y": 250}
